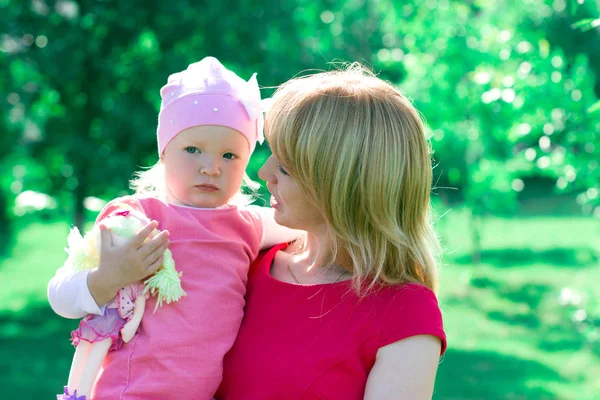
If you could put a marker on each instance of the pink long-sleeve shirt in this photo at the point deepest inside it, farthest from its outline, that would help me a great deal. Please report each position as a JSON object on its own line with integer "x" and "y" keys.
{"x": 178, "y": 351}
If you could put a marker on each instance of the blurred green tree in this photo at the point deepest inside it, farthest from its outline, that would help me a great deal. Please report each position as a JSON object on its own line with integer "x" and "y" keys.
{"x": 92, "y": 71}
{"x": 506, "y": 89}
{"x": 503, "y": 105}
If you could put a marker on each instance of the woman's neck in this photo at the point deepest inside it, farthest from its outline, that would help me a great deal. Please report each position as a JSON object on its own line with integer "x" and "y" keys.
{"x": 312, "y": 262}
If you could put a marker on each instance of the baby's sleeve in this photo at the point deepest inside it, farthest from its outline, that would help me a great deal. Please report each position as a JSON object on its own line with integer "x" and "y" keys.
{"x": 69, "y": 295}
{"x": 68, "y": 292}
{"x": 414, "y": 311}
{"x": 272, "y": 232}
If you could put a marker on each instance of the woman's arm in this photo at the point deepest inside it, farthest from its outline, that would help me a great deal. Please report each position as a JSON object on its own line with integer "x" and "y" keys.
{"x": 405, "y": 369}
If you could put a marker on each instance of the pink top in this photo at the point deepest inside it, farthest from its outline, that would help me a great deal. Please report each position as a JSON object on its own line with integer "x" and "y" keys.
{"x": 179, "y": 349}
{"x": 318, "y": 341}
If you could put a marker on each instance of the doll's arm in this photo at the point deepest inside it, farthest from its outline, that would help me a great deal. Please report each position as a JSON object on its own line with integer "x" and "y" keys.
{"x": 132, "y": 325}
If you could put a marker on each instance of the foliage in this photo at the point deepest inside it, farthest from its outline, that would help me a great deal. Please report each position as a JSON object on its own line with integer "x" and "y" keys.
{"x": 509, "y": 91}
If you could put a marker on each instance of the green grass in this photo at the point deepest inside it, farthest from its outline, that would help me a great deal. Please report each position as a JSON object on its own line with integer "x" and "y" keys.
{"x": 510, "y": 336}
{"x": 35, "y": 353}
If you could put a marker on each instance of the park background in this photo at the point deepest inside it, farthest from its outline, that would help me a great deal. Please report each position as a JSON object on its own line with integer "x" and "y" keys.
{"x": 509, "y": 91}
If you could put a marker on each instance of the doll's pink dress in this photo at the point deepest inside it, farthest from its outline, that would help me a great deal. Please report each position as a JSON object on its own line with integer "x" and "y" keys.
{"x": 95, "y": 328}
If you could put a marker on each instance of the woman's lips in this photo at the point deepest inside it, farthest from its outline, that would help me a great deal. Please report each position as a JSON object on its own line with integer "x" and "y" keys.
{"x": 274, "y": 202}
{"x": 207, "y": 188}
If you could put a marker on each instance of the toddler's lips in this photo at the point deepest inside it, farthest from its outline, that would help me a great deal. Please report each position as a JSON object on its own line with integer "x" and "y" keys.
{"x": 207, "y": 188}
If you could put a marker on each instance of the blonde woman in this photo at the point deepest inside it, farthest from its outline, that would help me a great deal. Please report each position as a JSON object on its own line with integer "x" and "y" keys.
{"x": 350, "y": 312}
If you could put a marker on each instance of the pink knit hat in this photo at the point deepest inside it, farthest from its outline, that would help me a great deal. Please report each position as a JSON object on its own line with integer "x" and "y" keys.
{"x": 207, "y": 93}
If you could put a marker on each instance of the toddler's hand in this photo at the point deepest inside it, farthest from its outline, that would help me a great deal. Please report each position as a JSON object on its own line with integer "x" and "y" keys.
{"x": 125, "y": 263}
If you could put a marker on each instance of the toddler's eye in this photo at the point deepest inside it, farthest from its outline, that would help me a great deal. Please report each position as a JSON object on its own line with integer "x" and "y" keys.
{"x": 192, "y": 150}
{"x": 229, "y": 156}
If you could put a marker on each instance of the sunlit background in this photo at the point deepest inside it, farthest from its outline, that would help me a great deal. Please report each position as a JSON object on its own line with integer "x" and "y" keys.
{"x": 509, "y": 91}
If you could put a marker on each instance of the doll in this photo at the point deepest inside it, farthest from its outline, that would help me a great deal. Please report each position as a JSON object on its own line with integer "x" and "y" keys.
{"x": 99, "y": 334}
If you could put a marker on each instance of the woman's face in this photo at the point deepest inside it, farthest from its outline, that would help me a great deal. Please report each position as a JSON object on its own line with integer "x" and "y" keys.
{"x": 292, "y": 207}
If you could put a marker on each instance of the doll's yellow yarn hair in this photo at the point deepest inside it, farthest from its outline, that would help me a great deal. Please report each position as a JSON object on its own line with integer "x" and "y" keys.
{"x": 165, "y": 283}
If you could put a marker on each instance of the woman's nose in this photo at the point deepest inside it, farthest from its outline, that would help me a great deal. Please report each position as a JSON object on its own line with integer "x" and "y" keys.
{"x": 266, "y": 171}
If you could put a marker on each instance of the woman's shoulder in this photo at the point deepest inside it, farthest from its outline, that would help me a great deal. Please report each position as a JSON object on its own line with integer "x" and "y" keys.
{"x": 410, "y": 291}
{"x": 412, "y": 309}
{"x": 265, "y": 258}
{"x": 397, "y": 293}
{"x": 406, "y": 299}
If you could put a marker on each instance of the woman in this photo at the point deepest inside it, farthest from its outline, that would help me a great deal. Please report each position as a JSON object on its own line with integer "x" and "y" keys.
{"x": 349, "y": 312}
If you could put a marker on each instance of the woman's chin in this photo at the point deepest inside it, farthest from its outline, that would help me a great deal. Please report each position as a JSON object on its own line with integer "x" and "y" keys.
{"x": 279, "y": 218}
{"x": 282, "y": 220}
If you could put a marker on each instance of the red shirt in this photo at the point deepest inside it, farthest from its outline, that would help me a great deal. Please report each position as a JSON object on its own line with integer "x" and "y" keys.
{"x": 318, "y": 341}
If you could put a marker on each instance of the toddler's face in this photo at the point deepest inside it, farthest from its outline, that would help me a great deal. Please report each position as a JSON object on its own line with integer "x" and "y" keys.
{"x": 204, "y": 166}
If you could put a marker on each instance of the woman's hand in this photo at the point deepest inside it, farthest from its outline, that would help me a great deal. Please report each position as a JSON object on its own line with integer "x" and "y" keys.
{"x": 125, "y": 263}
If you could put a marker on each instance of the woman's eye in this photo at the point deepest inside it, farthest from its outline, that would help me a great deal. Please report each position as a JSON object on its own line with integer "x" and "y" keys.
{"x": 283, "y": 171}
{"x": 229, "y": 156}
{"x": 192, "y": 150}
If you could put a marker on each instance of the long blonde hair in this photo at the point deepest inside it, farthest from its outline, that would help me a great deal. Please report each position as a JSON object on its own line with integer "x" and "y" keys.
{"x": 357, "y": 148}
{"x": 151, "y": 182}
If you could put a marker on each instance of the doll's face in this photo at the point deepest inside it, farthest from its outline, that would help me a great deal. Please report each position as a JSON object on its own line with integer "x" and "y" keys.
{"x": 204, "y": 166}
